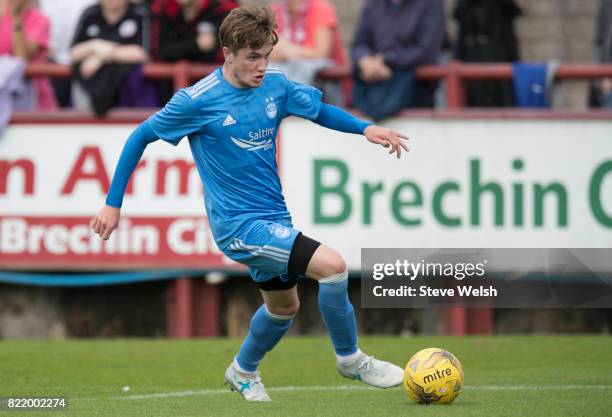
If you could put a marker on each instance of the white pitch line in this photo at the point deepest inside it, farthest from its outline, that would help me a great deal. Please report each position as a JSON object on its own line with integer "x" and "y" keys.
{"x": 536, "y": 387}
{"x": 357, "y": 388}
{"x": 227, "y": 391}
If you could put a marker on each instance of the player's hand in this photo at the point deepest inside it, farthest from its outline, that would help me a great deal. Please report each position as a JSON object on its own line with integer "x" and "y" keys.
{"x": 387, "y": 138}
{"x": 105, "y": 221}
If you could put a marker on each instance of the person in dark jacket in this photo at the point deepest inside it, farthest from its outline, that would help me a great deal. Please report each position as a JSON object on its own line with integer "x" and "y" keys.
{"x": 186, "y": 30}
{"x": 394, "y": 37}
{"x": 486, "y": 34}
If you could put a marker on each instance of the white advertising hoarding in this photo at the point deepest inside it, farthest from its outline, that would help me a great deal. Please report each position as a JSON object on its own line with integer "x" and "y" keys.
{"x": 54, "y": 178}
{"x": 465, "y": 183}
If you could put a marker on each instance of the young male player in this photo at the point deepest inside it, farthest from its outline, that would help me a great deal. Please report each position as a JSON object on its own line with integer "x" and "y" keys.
{"x": 231, "y": 118}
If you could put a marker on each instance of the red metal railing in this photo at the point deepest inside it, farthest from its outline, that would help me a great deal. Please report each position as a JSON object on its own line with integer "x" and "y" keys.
{"x": 454, "y": 74}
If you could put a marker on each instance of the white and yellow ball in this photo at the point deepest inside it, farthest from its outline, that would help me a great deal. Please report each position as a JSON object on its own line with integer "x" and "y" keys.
{"x": 433, "y": 375}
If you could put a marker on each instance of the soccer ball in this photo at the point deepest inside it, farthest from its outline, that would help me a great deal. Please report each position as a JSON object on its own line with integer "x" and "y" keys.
{"x": 433, "y": 376}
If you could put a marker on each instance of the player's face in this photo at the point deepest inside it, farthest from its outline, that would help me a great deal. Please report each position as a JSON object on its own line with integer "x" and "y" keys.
{"x": 248, "y": 66}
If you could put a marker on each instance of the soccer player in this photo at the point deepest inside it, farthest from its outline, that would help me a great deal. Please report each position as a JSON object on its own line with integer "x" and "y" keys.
{"x": 231, "y": 118}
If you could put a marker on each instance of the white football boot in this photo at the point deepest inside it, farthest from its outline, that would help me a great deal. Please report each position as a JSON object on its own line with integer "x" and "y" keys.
{"x": 374, "y": 372}
{"x": 249, "y": 384}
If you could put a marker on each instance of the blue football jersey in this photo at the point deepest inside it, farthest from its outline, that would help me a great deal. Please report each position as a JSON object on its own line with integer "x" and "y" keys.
{"x": 232, "y": 135}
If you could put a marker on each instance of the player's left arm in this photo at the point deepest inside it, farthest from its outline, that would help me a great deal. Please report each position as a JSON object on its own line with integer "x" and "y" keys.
{"x": 336, "y": 118}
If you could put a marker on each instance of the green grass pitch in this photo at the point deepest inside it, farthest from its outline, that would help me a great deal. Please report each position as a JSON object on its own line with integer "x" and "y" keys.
{"x": 505, "y": 376}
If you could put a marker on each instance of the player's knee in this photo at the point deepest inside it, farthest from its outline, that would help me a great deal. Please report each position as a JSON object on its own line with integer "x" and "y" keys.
{"x": 285, "y": 310}
{"x": 335, "y": 265}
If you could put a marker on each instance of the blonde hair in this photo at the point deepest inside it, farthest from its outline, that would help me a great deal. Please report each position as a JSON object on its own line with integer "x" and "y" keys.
{"x": 248, "y": 27}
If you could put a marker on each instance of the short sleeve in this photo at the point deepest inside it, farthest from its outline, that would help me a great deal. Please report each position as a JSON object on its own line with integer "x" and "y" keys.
{"x": 142, "y": 35}
{"x": 177, "y": 119}
{"x": 279, "y": 18}
{"x": 80, "y": 33}
{"x": 324, "y": 15}
{"x": 303, "y": 100}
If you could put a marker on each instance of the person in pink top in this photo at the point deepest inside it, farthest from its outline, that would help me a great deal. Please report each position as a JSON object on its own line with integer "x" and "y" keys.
{"x": 308, "y": 29}
{"x": 309, "y": 41}
{"x": 24, "y": 33}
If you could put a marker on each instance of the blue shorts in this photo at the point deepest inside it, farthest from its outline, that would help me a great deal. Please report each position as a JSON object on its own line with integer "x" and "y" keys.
{"x": 264, "y": 246}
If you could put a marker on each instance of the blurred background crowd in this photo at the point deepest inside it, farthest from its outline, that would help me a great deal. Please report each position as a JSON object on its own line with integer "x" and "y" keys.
{"x": 106, "y": 43}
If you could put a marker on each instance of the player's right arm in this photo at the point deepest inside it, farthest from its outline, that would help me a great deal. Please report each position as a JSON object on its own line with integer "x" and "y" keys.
{"x": 107, "y": 218}
{"x": 176, "y": 120}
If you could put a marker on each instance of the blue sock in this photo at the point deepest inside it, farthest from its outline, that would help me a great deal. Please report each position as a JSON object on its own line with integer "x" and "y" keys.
{"x": 338, "y": 313}
{"x": 265, "y": 332}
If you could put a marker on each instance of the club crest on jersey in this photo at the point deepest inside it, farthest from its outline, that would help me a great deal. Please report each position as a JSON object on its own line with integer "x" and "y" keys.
{"x": 280, "y": 232}
{"x": 271, "y": 108}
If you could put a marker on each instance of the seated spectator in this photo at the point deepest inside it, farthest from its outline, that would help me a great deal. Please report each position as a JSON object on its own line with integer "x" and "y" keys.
{"x": 110, "y": 44}
{"x": 603, "y": 51}
{"x": 24, "y": 33}
{"x": 64, "y": 16}
{"x": 187, "y": 29}
{"x": 308, "y": 38}
{"x": 392, "y": 39}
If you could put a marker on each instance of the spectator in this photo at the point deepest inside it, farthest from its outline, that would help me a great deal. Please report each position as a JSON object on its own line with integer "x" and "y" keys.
{"x": 308, "y": 38}
{"x": 111, "y": 41}
{"x": 486, "y": 34}
{"x": 603, "y": 49}
{"x": 24, "y": 33}
{"x": 392, "y": 38}
{"x": 64, "y": 16}
{"x": 187, "y": 29}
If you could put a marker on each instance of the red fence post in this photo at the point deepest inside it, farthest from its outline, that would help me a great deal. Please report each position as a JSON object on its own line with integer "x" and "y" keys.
{"x": 179, "y": 309}
{"x": 455, "y": 321}
{"x": 455, "y": 91}
{"x": 182, "y": 77}
{"x": 455, "y": 318}
{"x": 480, "y": 320}
{"x": 206, "y": 309}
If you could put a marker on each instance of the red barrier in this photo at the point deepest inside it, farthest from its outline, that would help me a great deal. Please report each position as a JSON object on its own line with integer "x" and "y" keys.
{"x": 454, "y": 74}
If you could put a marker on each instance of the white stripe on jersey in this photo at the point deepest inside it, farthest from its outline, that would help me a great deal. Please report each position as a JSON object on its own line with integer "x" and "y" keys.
{"x": 205, "y": 89}
{"x": 264, "y": 254}
{"x": 203, "y": 83}
{"x": 198, "y": 87}
{"x": 204, "y": 80}
{"x": 266, "y": 250}
{"x": 268, "y": 247}
{"x": 238, "y": 244}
